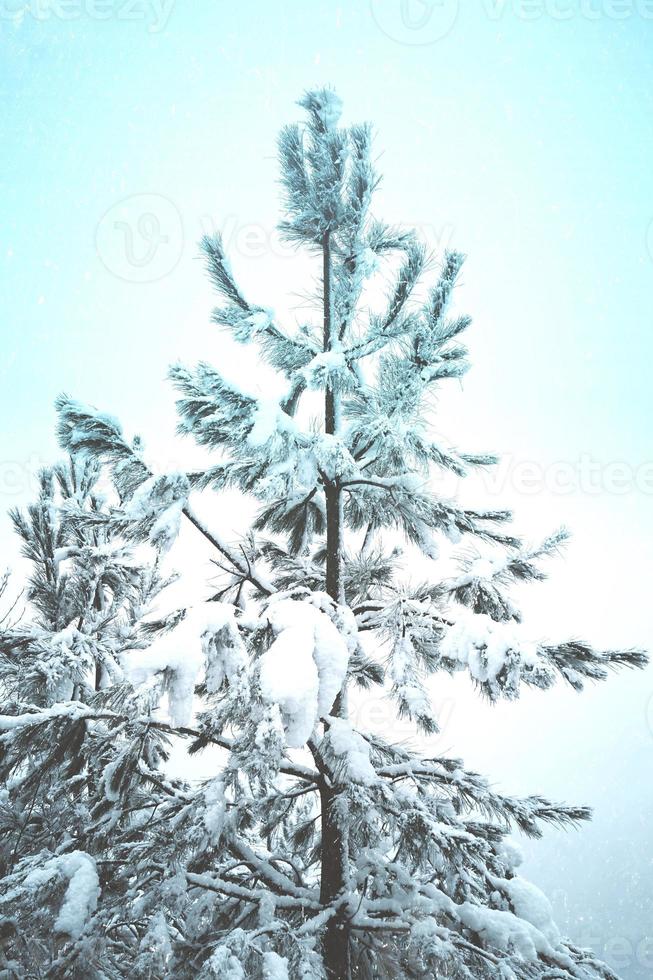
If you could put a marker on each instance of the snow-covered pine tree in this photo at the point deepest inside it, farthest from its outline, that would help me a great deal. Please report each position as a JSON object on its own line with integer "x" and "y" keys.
{"x": 314, "y": 850}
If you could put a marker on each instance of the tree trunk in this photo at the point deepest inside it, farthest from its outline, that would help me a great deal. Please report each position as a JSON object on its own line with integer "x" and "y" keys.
{"x": 334, "y": 859}
{"x": 333, "y": 493}
{"x": 98, "y": 604}
{"x": 335, "y": 843}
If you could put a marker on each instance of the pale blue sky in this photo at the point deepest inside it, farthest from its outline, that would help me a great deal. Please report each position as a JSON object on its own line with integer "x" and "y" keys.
{"x": 525, "y": 141}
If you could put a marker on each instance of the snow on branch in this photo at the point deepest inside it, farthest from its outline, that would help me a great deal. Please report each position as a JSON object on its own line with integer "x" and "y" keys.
{"x": 498, "y": 653}
{"x": 498, "y": 656}
{"x": 205, "y": 638}
{"x": 74, "y": 711}
{"x": 81, "y": 428}
{"x": 217, "y": 413}
{"x": 247, "y": 322}
{"x": 82, "y": 892}
{"x": 477, "y": 586}
{"x": 495, "y": 654}
{"x": 305, "y": 666}
{"x": 402, "y": 502}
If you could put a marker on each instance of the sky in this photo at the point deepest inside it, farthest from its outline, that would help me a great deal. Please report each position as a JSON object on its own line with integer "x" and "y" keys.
{"x": 518, "y": 132}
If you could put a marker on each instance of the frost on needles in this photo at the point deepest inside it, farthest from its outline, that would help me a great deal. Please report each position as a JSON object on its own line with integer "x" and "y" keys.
{"x": 316, "y": 849}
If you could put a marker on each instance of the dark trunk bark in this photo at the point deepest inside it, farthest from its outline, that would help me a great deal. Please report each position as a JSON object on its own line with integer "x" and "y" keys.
{"x": 335, "y": 843}
{"x": 333, "y": 542}
{"x": 335, "y": 945}
{"x": 98, "y": 604}
{"x": 333, "y": 493}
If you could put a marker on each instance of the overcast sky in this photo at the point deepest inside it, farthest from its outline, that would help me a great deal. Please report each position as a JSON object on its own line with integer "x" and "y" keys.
{"x": 517, "y": 132}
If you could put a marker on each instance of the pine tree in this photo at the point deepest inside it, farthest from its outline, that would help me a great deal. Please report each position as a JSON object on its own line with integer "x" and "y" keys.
{"x": 314, "y": 850}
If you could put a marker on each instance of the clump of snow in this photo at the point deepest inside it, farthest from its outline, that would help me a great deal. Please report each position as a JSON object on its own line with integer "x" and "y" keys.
{"x": 483, "y": 645}
{"x": 215, "y": 808}
{"x": 76, "y": 411}
{"x": 367, "y": 262}
{"x": 482, "y": 568}
{"x": 112, "y": 792}
{"x": 224, "y": 965}
{"x": 266, "y": 909}
{"x": 248, "y": 326}
{"x": 63, "y": 660}
{"x": 353, "y": 751}
{"x": 226, "y": 656}
{"x": 160, "y": 499}
{"x": 333, "y": 458}
{"x": 324, "y": 368}
{"x": 530, "y": 904}
{"x": 275, "y": 967}
{"x": 165, "y": 529}
{"x": 426, "y": 540}
{"x": 405, "y": 680}
{"x": 269, "y": 420}
{"x": 511, "y": 854}
{"x": 305, "y": 474}
{"x": 289, "y": 678}
{"x": 156, "y": 942}
{"x": 155, "y": 495}
{"x": 259, "y": 321}
{"x": 180, "y": 654}
{"x": 305, "y": 666}
{"x": 61, "y": 554}
{"x": 330, "y": 109}
{"x": 81, "y": 897}
{"x": 331, "y": 656}
{"x": 503, "y": 930}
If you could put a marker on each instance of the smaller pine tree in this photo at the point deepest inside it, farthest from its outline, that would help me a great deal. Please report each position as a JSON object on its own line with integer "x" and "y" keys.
{"x": 315, "y": 850}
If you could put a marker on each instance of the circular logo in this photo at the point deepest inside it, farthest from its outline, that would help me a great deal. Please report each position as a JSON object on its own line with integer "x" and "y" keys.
{"x": 141, "y": 238}
{"x": 649, "y": 714}
{"x": 415, "y": 22}
{"x": 649, "y": 240}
